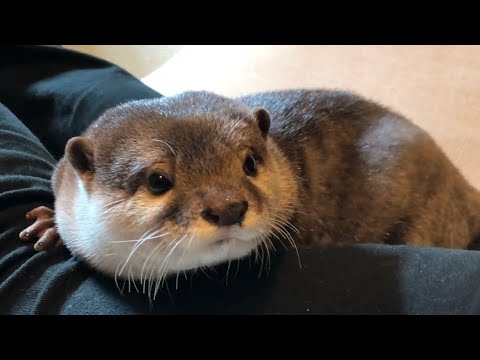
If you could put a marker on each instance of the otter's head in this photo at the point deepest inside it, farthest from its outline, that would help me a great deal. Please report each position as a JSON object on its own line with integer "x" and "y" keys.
{"x": 178, "y": 183}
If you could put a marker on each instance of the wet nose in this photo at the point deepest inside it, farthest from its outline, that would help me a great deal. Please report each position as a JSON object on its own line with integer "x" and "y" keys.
{"x": 230, "y": 214}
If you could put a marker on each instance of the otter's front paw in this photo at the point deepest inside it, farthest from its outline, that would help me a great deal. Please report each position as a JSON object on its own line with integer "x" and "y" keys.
{"x": 43, "y": 228}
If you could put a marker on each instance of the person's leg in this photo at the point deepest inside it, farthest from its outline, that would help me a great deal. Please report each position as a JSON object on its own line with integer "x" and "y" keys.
{"x": 47, "y": 95}
{"x": 25, "y": 170}
{"x": 58, "y": 92}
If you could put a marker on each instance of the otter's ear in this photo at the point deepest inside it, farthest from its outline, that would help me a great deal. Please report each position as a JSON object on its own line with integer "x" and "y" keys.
{"x": 79, "y": 152}
{"x": 262, "y": 117}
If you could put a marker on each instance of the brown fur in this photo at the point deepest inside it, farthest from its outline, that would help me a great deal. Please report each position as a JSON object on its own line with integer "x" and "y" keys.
{"x": 338, "y": 167}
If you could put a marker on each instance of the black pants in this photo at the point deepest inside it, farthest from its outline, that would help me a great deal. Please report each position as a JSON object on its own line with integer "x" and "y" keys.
{"x": 49, "y": 94}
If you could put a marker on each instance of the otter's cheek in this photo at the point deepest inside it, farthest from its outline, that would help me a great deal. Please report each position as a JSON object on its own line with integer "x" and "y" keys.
{"x": 252, "y": 220}
{"x": 147, "y": 208}
{"x": 202, "y": 230}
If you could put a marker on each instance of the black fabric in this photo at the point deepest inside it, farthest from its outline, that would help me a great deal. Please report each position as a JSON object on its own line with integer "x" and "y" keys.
{"x": 49, "y": 94}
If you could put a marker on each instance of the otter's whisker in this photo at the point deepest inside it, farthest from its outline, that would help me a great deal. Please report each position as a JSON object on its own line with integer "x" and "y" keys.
{"x": 116, "y": 278}
{"x": 238, "y": 268}
{"x": 128, "y": 258}
{"x": 137, "y": 240}
{"x": 144, "y": 235}
{"x": 268, "y": 256}
{"x": 271, "y": 244}
{"x": 228, "y": 271}
{"x": 264, "y": 252}
{"x": 210, "y": 267}
{"x": 181, "y": 257}
{"x": 296, "y": 248}
{"x": 149, "y": 234}
{"x": 118, "y": 273}
{"x": 281, "y": 229}
{"x": 288, "y": 223}
{"x": 187, "y": 247}
{"x": 163, "y": 267}
{"x": 109, "y": 210}
{"x": 162, "y": 271}
{"x": 275, "y": 228}
{"x": 264, "y": 235}
{"x": 167, "y": 259}
{"x": 261, "y": 264}
{"x": 168, "y": 292}
{"x": 288, "y": 237}
{"x": 111, "y": 204}
{"x": 256, "y": 254}
{"x": 262, "y": 240}
{"x": 153, "y": 266}
{"x": 294, "y": 210}
{"x": 165, "y": 143}
{"x": 301, "y": 178}
{"x": 202, "y": 269}
{"x": 137, "y": 246}
{"x": 146, "y": 261}
{"x": 135, "y": 285}
{"x": 129, "y": 274}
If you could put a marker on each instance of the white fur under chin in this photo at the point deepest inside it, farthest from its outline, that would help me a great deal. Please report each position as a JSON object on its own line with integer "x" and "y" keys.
{"x": 108, "y": 247}
{"x": 212, "y": 255}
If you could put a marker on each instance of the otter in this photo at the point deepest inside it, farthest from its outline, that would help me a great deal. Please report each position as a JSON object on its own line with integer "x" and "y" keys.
{"x": 155, "y": 187}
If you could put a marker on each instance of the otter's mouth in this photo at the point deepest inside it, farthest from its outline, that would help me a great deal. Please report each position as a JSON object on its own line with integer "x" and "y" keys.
{"x": 229, "y": 241}
{"x": 224, "y": 241}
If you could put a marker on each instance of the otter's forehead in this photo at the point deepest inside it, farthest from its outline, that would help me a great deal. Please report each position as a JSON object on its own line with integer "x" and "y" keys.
{"x": 171, "y": 116}
{"x": 187, "y": 105}
{"x": 193, "y": 140}
{"x": 190, "y": 134}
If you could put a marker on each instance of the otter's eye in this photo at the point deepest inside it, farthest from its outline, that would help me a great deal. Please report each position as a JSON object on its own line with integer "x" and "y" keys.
{"x": 250, "y": 166}
{"x": 158, "y": 184}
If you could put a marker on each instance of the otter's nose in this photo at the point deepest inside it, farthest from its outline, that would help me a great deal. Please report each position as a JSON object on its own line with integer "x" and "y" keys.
{"x": 230, "y": 214}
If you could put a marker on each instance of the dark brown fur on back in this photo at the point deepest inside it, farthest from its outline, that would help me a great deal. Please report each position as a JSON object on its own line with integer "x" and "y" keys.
{"x": 370, "y": 174}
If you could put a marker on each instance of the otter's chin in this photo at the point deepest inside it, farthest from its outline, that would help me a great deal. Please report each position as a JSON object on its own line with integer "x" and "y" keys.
{"x": 216, "y": 253}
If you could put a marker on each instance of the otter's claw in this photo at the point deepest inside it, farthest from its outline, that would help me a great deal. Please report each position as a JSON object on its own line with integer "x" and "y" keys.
{"x": 43, "y": 228}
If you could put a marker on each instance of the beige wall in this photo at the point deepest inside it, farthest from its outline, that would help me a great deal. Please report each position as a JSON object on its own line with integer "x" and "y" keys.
{"x": 139, "y": 60}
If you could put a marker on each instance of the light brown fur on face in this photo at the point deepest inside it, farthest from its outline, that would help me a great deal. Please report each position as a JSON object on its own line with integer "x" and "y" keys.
{"x": 331, "y": 167}
{"x": 212, "y": 169}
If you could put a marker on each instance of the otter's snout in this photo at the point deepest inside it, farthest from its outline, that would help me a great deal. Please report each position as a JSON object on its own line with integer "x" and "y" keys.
{"x": 228, "y": 213}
